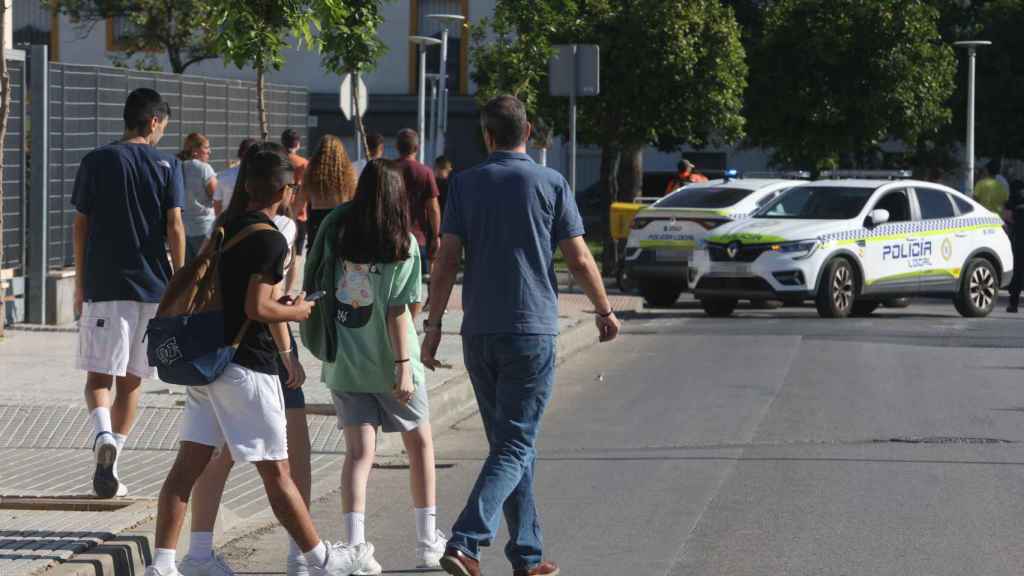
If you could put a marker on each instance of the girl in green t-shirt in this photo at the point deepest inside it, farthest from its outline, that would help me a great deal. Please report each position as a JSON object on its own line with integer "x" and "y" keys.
{"x": 377, "y": 379}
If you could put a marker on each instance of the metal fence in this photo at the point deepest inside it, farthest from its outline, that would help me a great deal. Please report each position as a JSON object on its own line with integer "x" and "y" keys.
{"x": 85, "y": 109}
{"x": 14, "y": 197}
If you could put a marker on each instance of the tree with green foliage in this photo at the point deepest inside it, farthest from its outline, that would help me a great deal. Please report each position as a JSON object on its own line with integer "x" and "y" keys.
{"x": 834, "y": 79}
{"x": 255, "y": 33}
{"x": 349, "y": 43}
{"x": 673, "y": 72}
{"x": 179, "y": 28}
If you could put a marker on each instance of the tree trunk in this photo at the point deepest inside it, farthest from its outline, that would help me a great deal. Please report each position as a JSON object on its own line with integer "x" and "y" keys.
{"x": 5, "y": 109}
{"x": 610, "y": 157}
{"x": 261, "y": 102}
{"x": 174, "y": 55}
{"x": 631, "y": 173}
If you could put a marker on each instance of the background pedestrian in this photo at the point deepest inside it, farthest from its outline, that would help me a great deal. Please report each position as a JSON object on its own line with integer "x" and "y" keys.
{"x": 375, "y": 149}
{"x": 200, "y": 186}
{"x": 329, "y": 180}
{"x": 226, "y": 179}
{"x": 422, "y": 193}
{"x": 292, "y": 142}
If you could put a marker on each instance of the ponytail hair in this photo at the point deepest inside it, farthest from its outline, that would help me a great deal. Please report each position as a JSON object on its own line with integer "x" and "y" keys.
{"x": 262, "y": 161}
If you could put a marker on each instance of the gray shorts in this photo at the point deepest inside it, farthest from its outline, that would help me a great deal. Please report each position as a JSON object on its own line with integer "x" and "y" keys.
{"x": 382, "y": 410}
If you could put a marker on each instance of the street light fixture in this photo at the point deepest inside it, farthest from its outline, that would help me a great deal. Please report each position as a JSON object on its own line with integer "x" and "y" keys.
{"x": 422, "y": 43}
{"x": 441, "y": 130}
{"x": 972, "y": 48}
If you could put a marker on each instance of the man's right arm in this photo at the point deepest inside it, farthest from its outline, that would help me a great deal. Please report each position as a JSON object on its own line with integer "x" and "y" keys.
{"x": 584, "y": 269}
{"x": 81, "y": 235}
{"x": 176, "y": 238}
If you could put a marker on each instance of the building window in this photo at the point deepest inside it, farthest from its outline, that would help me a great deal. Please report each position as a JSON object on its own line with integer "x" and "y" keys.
{"x": 457, "y": 42}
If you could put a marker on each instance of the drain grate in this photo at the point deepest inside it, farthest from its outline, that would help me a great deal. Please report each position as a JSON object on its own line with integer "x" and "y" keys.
{"x": 944, "y": 440}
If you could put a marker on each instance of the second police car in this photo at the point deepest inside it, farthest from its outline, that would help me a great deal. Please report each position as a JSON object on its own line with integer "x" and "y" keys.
{"x": 664, "y": 235}
{"x": 849, "y": 245}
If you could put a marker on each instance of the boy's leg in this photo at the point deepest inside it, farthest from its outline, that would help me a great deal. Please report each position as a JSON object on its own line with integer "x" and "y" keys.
{"x": 192, "y": 459}
{"x": 125, "y": 407}
{"x": 286, "y": 502}
{"x": 206, "y": 496}
{"x": 298, "y": 461}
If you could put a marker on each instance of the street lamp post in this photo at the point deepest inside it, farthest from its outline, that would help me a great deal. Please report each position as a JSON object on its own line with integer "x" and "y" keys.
{"x": 445, "y": 20}
{"x": 422, "y": 43}
{"x": 972, "y": 49}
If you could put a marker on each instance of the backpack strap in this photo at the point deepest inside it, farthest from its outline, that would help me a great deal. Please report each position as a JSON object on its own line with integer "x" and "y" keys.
{"x": 235, "y": 241}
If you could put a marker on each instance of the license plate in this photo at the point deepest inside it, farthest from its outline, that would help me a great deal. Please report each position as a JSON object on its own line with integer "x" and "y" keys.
{"x": 671, "y": 255}
{"x": 731, "y": 270}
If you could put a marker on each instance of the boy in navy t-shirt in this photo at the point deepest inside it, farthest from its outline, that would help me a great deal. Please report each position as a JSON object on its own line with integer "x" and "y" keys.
{"x": 128, "y": 198}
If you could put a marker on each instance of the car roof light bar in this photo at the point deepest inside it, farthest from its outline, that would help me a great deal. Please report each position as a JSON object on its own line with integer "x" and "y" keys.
{"x": 867, "y": 174}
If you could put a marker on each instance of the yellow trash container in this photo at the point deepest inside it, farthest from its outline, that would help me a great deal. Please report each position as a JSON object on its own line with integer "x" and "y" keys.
{"x": 622, "y": 214}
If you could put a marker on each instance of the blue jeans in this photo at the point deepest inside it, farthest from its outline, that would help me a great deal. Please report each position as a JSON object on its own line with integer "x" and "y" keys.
{"x": 512, "y": 376}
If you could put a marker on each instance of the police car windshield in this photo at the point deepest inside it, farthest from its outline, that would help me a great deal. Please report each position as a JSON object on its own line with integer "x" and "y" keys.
{"x": 704, "y": 198}
{"x": 817, "y": 203}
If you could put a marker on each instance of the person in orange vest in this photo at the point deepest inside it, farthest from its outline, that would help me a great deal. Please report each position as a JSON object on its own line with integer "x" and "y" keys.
{"x": 686, "y": 174}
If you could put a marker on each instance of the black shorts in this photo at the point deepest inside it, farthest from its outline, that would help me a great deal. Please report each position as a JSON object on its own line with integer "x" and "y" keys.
{"x": 316, "y": 218}
{"x": 301, "y": 232}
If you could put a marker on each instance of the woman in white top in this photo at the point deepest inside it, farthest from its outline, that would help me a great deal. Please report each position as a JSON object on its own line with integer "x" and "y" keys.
{"x": 200, "y": 184}
{"x": 226, "y": 180}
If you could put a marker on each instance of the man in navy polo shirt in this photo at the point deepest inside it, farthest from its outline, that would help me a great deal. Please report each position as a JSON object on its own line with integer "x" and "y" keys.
{"x": 129, "y": 198}
{"x": 509, "y": 215}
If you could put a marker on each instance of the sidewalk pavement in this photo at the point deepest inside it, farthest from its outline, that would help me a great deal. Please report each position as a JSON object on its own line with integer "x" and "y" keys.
{"x": 46, "y": 513}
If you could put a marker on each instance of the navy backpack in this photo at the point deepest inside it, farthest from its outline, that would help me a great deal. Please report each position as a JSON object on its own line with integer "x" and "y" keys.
{"x": 185, "y": 340}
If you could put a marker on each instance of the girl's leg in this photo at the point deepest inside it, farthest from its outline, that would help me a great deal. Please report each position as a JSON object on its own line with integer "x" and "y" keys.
{"x": 360, "y": 446}
{"x": 419, "y": 444}
{"x": 298, "y": 460}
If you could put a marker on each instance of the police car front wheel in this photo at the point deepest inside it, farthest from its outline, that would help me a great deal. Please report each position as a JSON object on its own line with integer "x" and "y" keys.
{"x": 837, "y": 290}
{"x": 979, "y": 288}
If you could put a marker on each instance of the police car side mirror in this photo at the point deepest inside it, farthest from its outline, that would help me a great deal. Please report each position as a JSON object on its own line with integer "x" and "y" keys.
{"x": 878, "y": 217}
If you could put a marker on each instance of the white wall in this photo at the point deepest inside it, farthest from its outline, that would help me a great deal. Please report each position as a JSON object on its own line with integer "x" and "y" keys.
{"x": 301, "y": 67}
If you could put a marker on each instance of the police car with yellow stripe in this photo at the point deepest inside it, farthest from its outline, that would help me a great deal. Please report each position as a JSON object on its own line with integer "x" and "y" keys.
{"x": 850, "y": 245}
{"x": 664, "y": 235}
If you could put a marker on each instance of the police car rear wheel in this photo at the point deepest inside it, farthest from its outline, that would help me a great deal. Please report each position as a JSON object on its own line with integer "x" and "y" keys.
{"x": 718, "y": 308}
{"x": 838, "y": 290}
{"x": 978, "y": 290}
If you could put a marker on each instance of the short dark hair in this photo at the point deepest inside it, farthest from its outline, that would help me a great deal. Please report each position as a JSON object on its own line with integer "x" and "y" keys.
{"x": 377, "y": 224}
{"x": 142, "y": 105}
{"x": 244, "y": 146}
{"x": 290, "y": 138}
{"x": 374, "y": 140}
{"x": 408, "y": 142}
{"x": 265, "y": 164}
{"x": 442, "y": 161}
{"x": 685, "y": 164}
{"x": 504, "y": 118}
{"x": 994, "y": 166}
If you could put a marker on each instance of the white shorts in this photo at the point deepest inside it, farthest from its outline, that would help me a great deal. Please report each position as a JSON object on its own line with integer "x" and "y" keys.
{"x": 110, "y": 338}
{"x": 243, "y": 409}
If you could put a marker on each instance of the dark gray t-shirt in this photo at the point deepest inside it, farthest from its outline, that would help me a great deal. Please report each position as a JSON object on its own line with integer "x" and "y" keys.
{"x": 511, "y": 213}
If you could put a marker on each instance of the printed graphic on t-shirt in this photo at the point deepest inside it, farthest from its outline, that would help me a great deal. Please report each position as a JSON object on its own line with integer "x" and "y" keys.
{"x": 355, "y": 294}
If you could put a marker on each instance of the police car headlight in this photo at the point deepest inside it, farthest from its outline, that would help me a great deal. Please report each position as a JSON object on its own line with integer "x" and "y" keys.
{"x": 798, "y": 250}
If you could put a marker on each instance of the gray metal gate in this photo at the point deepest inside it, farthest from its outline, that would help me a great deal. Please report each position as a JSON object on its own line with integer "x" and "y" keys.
{"x": 14, "y": 200}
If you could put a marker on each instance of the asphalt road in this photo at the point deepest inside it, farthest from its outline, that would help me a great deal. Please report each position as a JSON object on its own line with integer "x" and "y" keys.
{"x": 771, "y": 443}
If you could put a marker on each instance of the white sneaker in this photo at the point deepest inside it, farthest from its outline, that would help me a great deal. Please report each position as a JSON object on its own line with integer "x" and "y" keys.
{"x": 343, "y": 560}
{"x": 212, "y": 566}
{"x": 370, "y": 566}
{"x": 153, "y": 571}
{"x": 428, "y": 555}
{"x": 104, "y": 479}
{"x": 298, "y": 566}
{"x": 122, "y": 489}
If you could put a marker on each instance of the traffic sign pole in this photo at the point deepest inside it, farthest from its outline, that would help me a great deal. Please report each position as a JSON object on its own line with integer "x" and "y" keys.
{"x": 572, "y": 124}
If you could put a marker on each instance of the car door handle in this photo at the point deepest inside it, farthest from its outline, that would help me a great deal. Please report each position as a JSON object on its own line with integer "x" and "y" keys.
{"x": 961, "y": 234}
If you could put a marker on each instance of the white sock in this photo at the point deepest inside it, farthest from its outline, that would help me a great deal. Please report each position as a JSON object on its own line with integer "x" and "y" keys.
{"x": 294, "y": 552}
{"x": 201, "y": 545}
{"x": 355, "y": 527}
{"x": 101, "y": 420}
{"x": 426, "y": 524}
{"x": 317, "y": 557}
{"x": 164, "y": 560}
{"x": 121, "y": 440}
